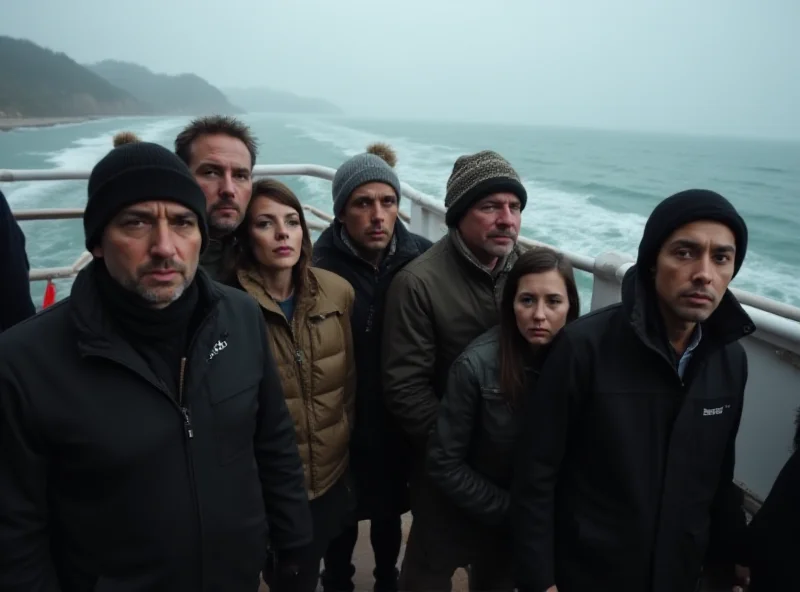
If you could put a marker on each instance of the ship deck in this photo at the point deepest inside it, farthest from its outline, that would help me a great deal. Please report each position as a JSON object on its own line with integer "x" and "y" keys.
{"x": 363, "y": 561}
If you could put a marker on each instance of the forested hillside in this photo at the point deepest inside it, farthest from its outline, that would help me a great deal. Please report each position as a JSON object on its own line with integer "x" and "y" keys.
{"x": 183, "y": 94}
{"x": 38, "y": 82}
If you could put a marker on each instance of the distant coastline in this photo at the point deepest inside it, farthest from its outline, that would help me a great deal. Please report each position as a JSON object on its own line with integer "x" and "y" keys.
{"x": 11, "y": 123}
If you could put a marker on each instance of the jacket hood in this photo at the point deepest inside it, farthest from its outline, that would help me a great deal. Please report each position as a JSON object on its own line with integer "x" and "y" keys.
{"x": 726, "y": 324}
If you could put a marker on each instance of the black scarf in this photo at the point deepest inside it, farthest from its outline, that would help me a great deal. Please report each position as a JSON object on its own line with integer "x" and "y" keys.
{"x": 161, "y": 336}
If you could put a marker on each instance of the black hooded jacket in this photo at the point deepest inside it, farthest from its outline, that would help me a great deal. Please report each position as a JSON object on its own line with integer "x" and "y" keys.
{"x": 110, "y": 483}
{"x": 379, "y": 454}
{"x": 624, "y": 473}
{"x": 15, "y": 296}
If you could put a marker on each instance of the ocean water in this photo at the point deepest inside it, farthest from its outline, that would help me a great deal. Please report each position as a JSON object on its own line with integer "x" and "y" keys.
{"x": 589, "y": 191}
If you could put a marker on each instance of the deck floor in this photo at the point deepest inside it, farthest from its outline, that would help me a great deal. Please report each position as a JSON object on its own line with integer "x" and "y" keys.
{"x": 363, "y": 560}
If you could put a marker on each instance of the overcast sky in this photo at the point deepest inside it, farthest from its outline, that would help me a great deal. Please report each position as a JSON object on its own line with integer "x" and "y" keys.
{"x": 705, "y": 66}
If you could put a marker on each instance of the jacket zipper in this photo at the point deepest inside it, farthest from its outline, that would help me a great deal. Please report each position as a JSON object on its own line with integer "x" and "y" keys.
{"x": 189, "y": 430}
{"x": 187, "y": 425}
{"x": 376, "y": 279}
{"x": 187, "y": 421}
{"x": 298, "y": 358}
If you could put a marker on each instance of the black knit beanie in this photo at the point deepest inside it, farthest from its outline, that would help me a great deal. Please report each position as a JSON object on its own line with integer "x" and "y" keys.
{"x": 683, "y": 208}
{"x": 474, "y": 177}
{"x": 136, "y": 172}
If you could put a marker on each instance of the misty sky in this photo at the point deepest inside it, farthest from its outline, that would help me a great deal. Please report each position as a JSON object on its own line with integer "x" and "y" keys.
{"x": 704, "y": 66}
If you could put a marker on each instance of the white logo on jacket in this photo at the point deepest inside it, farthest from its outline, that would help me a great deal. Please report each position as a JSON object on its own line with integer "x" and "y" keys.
{"x": 218, "y": 347}
{"x": 715, "y": 410}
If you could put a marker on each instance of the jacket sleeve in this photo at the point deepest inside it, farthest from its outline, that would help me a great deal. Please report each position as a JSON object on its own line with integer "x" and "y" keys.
{"x": 409, "y": 358}
{"x": 25, "y": 561}
{"x": 728, "y": 520}
{"x": 450, "y": 442}
{"x": 350, "y": 359}
{"x": 547, "y": 414}
{"x": 279, "y": 464}
{"x": 15, "y": 298}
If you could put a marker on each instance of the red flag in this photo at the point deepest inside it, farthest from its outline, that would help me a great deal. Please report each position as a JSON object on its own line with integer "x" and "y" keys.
{"x": 49, "y": 294}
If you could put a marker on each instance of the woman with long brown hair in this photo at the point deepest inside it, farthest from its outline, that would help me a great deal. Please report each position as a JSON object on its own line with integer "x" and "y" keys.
{"x": 307, "y": 311}
{"x": 471, "y": 448}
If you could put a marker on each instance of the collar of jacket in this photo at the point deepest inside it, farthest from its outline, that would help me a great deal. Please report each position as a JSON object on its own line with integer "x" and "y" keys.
{"x": 728, "y": 323}
{"x": 402, "y": 248}
{"x": 345, "y": 239}
{"x": 96, "y": 332}
{"x": 218, "y": 252}
{"x": 466, "y": 256}
{"x": 307, "y": 303}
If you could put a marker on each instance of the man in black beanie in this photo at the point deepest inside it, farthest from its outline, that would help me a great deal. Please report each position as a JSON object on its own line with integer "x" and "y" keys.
{"x": 146, "y": 442}
{"x": 624, "y": 478}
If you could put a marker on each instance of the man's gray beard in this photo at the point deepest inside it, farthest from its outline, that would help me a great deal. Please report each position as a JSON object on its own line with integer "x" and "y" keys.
{"x": 156, "y": 297}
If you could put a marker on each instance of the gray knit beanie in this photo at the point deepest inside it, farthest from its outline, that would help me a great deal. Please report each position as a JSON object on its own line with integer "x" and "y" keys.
{"x": 374, "y": 165}
{"x": 475, "y": 176}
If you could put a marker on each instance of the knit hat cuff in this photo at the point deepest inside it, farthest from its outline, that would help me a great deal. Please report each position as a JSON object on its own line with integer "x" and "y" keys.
{"x": 663, "y": 222}
{"x": 140, "y": 184}
{"x": 370, "y": 174}
{"x": 474, "y": 194}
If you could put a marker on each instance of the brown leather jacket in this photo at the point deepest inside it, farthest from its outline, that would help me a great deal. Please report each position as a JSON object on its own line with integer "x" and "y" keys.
{"x": 317, "y": 368}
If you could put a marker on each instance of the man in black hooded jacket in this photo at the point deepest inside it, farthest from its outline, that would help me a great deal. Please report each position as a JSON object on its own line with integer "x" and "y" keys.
{"x": 146, "y": 444}
{"x": 624, "y": 476}
{"x": 367, "y": 245}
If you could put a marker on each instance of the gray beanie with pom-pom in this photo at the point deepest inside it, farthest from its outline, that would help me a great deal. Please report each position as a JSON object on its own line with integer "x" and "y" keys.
{"x": 374, "y": 165}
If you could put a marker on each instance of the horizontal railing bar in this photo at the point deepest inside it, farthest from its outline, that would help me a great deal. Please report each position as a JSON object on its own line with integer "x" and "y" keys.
{"x": 581, "y": 262}
{"x": 59, "y": 273}
{"x": 766, "y": 304}
{"x": 319, "y": 213}
{"x": 51, "y": 273}
{"x": 49, "y": 214}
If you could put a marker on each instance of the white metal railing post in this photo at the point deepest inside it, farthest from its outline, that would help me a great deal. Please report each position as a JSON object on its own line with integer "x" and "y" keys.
{"x": 427, "y": 222}
{"x": 607, "y": 279}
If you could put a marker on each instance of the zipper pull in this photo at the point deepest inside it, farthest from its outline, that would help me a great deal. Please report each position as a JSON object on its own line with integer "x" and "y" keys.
{"x": 187, "y": 422}
{"x": 180, "y": 381}
{"x": 369, "y": 318}
{"x": 298, "y": 356}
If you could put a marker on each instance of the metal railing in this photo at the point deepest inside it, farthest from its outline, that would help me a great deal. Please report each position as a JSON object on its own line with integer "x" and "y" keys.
{"x": 419, "y": 199}
{"x": 320, "y": 221}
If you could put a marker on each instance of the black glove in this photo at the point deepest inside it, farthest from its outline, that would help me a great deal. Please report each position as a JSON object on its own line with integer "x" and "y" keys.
{"x": 288, "y": 564}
